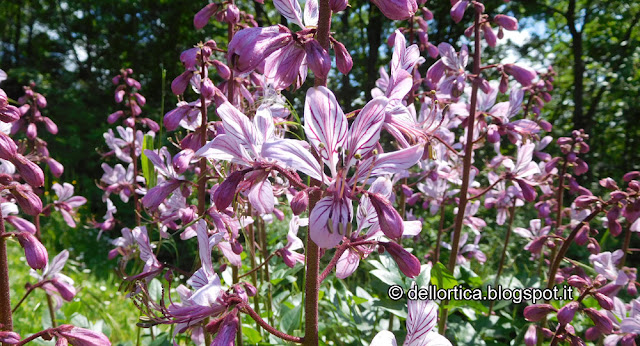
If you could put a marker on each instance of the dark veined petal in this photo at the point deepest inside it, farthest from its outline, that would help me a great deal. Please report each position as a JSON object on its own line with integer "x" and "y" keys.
{"x": 294, "y": 155}
{"x": 237, "y": 125}
{"x": 291, "y": 10}
{"x": 365, "y": 130}
{"x": 394, "y": 162}
{"x": 226, "y": 148}
{"x": 325, "y": 124}
{"x": 321, "y": 233}
{"x": 347, "y": 264}
{"x": 421, "y": 318}
{"x": 261, "y": 195}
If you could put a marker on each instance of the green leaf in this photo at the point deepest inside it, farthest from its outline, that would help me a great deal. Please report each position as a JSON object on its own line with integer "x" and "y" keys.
{"x": 148, "y": 171}
{"x": 388, "y": 277}
{"x": 291, "y": 319}
{"x": 161, "y": 340}
{"x": 155, "y": 289}
{"x": 442, "y": 278}
{"x": 252, "y": 335}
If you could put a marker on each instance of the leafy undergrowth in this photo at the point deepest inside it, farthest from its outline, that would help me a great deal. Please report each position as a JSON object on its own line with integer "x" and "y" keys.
{"x": 98, "y": 305}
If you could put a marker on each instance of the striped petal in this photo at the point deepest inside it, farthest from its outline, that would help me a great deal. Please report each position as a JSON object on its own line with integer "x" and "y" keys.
{"x": 291, "y": 10}
{"x": 365, "y": 130}
{"x": 325, "y": 124}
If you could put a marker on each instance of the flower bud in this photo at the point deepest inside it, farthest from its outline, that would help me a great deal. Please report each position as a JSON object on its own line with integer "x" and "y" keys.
{"x": 81, "y": 336}
{"x": 585, "y": 201}
{"x": 632, "y": 290}
{"x": 582, "y": 237}
{"x": 51, "y": 127}
{"x": 55, "y": 167}
{"x": 129, "y": 122}
{"x": 338, "y": 5}
{"x": 397, "y": 9}
{"x": 182, "y": 159}
{"x": 531, "y": 336}
{"x": 251, "y": 290}
{"x": 604, "y": 301}
{"x": 592, "y": 334}
{"x": 534, "y": 313}
{"x": 343, "y": 58}
{"x": 524, "y": 75}
{"x": 233, "y": 14}
{"x": 631, "y": 176}
{"x": 528, "y": 192}
{"x": 202, "y": 17}
{"x": 141, "y": 100}
{"x": 566, "y": 313}
{"x": 8, "y": 148}
{"x": 408, "y": 264}
{"x": 180, "y": 83}
{"x": 608, "y": 183}
{"x": 29, "y": 171}
{"x": 9, "y": 113}
{"x": 32, "y": 131}
{"x": 207, "y": 89}
{"x": 576, "y": 281}
{"x": 389, "y": 219}
{"x": 27, "y": 199}
{"x": 9, "y": 337}
{"x": 236, "y": 247}
{"x": 223, "y": 70}
{"x": 224, "y": 194}
{"x": 119, "y": 95}
{"x": 34, "y": 251}
{"x": 114, "y": 116}
{"x": 67, "y": 291}
{"x": 601, "y": 321}
{"x": 458, "y": 9}
{"x": 507, "y": 22}
{"x": 300, "y": 202}
{"x": 581, "y": 167}
{"x": 489, "y": 35}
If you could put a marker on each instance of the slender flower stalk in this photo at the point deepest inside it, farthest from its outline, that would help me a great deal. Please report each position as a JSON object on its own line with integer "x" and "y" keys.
{"x": 312, "y": 277}
{"x": 466, "y": 163}
{"x": 503, "y": 256}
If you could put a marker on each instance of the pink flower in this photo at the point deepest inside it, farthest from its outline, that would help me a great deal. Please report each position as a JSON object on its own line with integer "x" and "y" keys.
{"x": 397, "y": 9}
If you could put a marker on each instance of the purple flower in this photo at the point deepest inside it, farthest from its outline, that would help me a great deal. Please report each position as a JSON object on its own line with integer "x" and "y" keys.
{"x": 29, "y": 171}
{"x": 288, "y": 253}
{"x": 421, "y": 321}
{"x": 340, "y": 149}
{"x": 67, "y": 202}
{"x": 536, "y": 234}
{"x": 397, "y": 9}
{"x": 58, "y": 285}
{"x": 26, "y": 199}
{"x": 83, "y": 337}
{"x": 10, "y": 338}
{"x": 534, "y": 313}
{"x": 34, "y": 251}
{"x": 458, "y": 9}
{"x": 152, "y": 266}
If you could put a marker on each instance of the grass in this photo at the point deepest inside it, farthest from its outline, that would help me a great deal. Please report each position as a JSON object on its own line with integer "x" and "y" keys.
{"x": 98, "y": 305}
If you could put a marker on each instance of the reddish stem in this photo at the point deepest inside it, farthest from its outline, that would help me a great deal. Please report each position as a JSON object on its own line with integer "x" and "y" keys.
{"x": 466, "y": 168}
{"x": 6, "y": 321}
